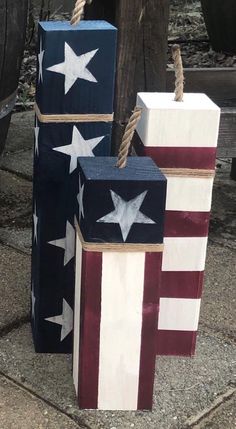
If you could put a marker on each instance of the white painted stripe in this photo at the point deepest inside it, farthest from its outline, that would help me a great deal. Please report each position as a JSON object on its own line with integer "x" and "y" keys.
{"x": 79, "y": 252}
{"x": 178, "y": 314}
{"x": 120, "y": 330}
{"x": 189, "y": 194}
{"x": 165, "y": 123}
{"x": 184, "y": 254}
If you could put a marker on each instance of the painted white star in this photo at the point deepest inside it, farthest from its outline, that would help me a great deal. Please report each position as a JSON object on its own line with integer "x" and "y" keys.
{"x": 35, "y": 220}
{"x": 74, "y": 67}
{"x": 80, "y": 199}
{"x": 67, "y": 243}
{"x": 33, "y": 299}
{"x": 126, "y": 213}
{"x": 65, "y": 320}
{"x": 78, "y": 147}
{"x": 40, "y": 60}
{"x": 36, "y": 135}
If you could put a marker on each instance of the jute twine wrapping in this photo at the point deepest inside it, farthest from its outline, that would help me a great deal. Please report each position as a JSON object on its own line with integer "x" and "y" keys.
{"x": 78, "y": 11}
{"x": 127, "y": 138}
{"x": 117, "y": 247}
{"x": 179, "y": 73}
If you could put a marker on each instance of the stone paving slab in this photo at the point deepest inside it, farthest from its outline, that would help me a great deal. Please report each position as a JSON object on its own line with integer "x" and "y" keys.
{"x": 21, "y": 133}
{"x": 218, "y": 306}
{"x": 222, "y": 418}
{"x": 14, "y": 287}
{"x": 15, "y": 201}
{"x": 17, "y": 238}
{"x": 20, "y": 163}
{"x": 21, "y": 410}
{"x": 183, "y": 387}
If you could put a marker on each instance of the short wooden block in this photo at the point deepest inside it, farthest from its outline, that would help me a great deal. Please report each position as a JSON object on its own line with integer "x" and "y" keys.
{"x": 121, "y": 205}
{"x": 178, "y": 135}
{"x": 76, "y": 67}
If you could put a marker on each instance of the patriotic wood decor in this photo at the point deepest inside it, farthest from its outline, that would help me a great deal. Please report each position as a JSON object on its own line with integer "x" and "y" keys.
{"x": 181, "y": 137}
{"x": 74, "y": 112}
{"x": 118, "y": 267}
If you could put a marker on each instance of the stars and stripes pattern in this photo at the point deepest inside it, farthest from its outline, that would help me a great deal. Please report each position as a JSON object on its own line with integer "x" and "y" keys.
{"x": 181, "y": 136}
{"x": 75, "y": 76}
{"x": 116, "y": 310}
{"x": 117, "y": 283}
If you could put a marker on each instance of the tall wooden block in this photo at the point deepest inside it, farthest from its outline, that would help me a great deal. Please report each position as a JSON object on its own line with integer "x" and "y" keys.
{"x": 118, "y": 267}
{"x": 74, "y": 105}
{"x": 181, "y": 137}
{"x": 76, "y": 67}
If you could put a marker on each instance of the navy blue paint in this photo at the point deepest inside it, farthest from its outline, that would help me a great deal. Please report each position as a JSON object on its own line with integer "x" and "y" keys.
{"x": 83, "y": 97}
{"x": 100, "y": 175}
{"x": 54, "y": 189}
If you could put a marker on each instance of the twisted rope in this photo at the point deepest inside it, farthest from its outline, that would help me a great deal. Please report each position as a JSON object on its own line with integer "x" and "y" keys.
{"x": 78, "y": 11}
{"x": 179, "y": 73}
{"x": 127, "y": 138}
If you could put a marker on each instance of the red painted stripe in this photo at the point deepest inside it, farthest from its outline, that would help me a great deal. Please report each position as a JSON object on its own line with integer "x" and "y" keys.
{"x": 186, "y": 224}
{"x": 90, "y": 329}
{"x": 178, "y": 157}
{"x": 176, "y": 343}
{"x": 148, "y": 337}
{"x": 181, "y": 284}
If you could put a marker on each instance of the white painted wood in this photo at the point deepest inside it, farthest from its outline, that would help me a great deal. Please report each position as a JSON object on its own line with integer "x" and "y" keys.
{"x": 78, "y": 272}
{"x": 179, "y": 314}
{"x": 120, "y": 330}
{"x": 167, "y": 123}
{"x": 184, "y": 254}
{"x": 189, "y": 193}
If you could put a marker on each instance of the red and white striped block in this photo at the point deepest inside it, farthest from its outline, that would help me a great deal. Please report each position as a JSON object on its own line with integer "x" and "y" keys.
{"x": 116, "y": 310}
{"x": 181, "y": 137}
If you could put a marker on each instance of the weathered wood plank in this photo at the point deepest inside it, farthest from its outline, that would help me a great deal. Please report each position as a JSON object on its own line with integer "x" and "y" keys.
{"x": 227, "y": 134}
{"x": 218, "y": 83}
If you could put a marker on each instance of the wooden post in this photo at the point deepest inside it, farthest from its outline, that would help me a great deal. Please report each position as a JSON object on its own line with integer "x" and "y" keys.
{"x": 181, "y": 137}
{"x": 118, "y": 265}
{"x": 142, "y": 45}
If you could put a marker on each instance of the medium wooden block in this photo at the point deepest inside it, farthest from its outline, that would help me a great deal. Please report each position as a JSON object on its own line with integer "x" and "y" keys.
{"x": 76, "y": 67}
{"x": 121, "y": 205}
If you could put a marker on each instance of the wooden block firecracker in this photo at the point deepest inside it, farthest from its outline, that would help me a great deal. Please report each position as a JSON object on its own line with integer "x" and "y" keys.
{"x": 74, "y": 112}
{"x": 118, "y": 265}
{"x": 181, "y": 138}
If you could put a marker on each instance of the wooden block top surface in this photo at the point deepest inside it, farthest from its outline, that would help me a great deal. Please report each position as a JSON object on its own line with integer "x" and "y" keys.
{"x": 104, "y": 169}
{"x": 82, "y": 26}
{"x": 165, "y": 100}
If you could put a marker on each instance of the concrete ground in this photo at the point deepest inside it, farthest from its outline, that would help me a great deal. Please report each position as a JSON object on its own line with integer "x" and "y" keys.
{"x": 36, "y": 391}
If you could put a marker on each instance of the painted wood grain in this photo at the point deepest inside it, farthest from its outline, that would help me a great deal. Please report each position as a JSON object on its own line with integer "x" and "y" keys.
{"x": 178, "y": 314}
{"x": 120, "y": 332}
{"x": 180, "y": 192}
{"x": 184, "y": 254}
{"x": 77, "y": 311}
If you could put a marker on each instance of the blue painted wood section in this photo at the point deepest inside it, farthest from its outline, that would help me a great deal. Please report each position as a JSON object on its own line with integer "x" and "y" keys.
{"x": 59, "y": 43}
{"x": 55, "y": 205}
{"x": 86, "y": 88}
{"x": 121, "y": 205}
